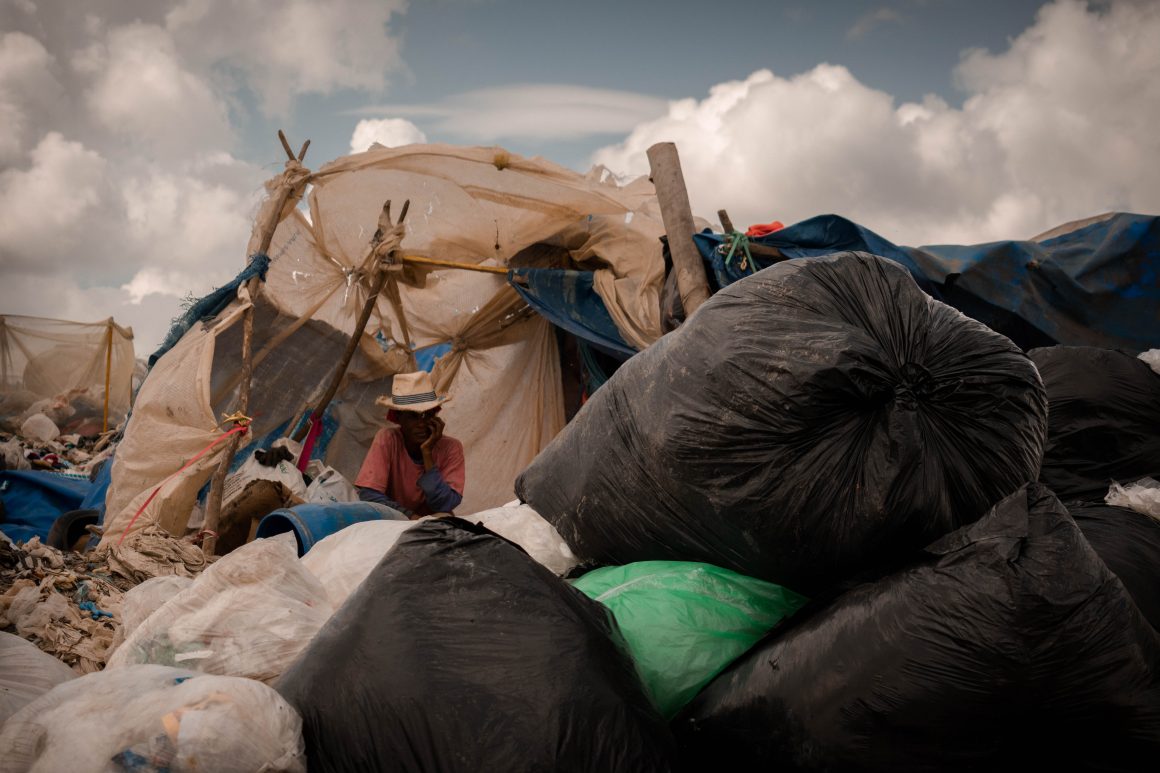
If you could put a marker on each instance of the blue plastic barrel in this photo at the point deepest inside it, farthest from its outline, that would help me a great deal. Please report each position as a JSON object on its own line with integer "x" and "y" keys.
{"x": 313, "y": 522}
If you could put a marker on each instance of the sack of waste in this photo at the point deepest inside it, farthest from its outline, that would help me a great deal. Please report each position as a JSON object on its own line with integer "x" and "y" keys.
{"x": 807, "y": 423}
{"x": 141, "y": 601}
{"x": 1129, "y": 544}
{"x": 522, "y": 525}
{"x": 685, "y": 622}
{"x": 1103, "y": 419}
{"x": 1009, "y": 645}
{"x": 26, "y": 673}
{"x": 249, "y": 614}
{"x": 151, "y": 719}
{"x": 461, "y": 653}
{"x": 341, "y": 561}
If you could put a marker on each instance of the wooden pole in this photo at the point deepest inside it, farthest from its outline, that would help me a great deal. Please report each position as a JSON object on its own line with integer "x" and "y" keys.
{"x": 677, "y": 215}
{"x": 213, "y": 505}
{"x": 360, "y": 324}
{"x": 108, "y": 372}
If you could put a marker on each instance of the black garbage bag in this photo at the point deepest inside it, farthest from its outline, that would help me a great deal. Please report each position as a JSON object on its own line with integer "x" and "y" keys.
{"x": 819, "y": 416}
{"x": 1129, "y": 543}
{"x": 1103, "y": 420}
{"x": 1010, "y": 646}
{"x": 461, "y": 653}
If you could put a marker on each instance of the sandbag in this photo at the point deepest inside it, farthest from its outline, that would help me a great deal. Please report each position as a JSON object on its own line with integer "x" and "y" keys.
{"x": 341, "y": 561}
{"x": 249, "y": 614}
{"x": 807, "y": 423}
{"x": 685, "y": 622}
{"x": 1009, "y": 646}
{"x": 26, "y": 673}
{"x": 461, "y": 653}
{"x": 1129, "y": 543}
{"x": 150, "y": 719}
{"x": 1103, "y": 419}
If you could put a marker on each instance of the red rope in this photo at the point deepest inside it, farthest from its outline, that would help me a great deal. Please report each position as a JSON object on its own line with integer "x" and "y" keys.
{"x": 201, "y": 453}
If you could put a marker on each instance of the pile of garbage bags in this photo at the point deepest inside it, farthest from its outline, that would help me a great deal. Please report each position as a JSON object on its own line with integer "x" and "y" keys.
{"x": 818, "y": 419}
{"x": 827, "y": 524}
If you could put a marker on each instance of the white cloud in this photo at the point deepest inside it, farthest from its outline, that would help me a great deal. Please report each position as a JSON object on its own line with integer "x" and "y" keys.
{"x": 120, "y": 189}
{"x": 287, "y": 48}
{"x": 531, "y": 111}
{"x": 872, "y": 19}
{"x": 141, "y": 90}
{"x": 1058, "y": 127}
{"x": 388, "y": 132}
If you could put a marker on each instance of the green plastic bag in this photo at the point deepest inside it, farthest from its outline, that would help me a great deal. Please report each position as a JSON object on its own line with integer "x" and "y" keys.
{"x": 685, "y": 622}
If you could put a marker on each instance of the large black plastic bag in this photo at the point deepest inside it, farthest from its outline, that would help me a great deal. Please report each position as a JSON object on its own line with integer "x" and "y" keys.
{"x": 819, "y": 416}
{"x": 1104, "y": 420}
{"x": 461, "y": 653}
{"x": 1129, "y": 543}
{"x": 1011, "y": 646}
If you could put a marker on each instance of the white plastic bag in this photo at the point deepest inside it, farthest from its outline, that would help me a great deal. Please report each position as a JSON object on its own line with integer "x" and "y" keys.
{"x": 141, "y": 601}
{"x": 152, "y": 718}
{"x": 328, "y": 485}
{"x": 1143, "y": 496}
{"x": 343, "y": 560}
{"x": 1152, "y": 357}
{"x": 283, "y": 472}
{"x": 39, "y": 427}
{"x": 26, "y": 673}
{"x": 12, "y": 456}
{"x": 249, "y": 614}
{"x": 525, "y": 527}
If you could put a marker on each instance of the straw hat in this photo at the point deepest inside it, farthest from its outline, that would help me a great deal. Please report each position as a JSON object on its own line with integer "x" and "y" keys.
{"x": 412, "y": 392}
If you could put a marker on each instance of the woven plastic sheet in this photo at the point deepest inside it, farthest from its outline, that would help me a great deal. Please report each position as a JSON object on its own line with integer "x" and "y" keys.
{"x": 60, "y": 369}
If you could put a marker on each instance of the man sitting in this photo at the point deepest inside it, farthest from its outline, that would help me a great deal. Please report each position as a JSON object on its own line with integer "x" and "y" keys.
{"x": 413, "y": 468}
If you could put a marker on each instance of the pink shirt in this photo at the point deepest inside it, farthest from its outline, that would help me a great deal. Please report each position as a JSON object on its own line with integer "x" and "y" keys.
{"x": 389, "y": 468}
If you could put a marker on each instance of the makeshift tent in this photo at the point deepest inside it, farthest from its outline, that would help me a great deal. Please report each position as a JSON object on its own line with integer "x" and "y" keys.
{"x": 479, "y": 206}
{"x": 66, "y": 370}
{"x": 1094, "y": 282}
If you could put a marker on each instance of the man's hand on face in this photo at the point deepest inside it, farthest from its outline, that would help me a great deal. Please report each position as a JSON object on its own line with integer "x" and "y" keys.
{"x": 436, "y": 432}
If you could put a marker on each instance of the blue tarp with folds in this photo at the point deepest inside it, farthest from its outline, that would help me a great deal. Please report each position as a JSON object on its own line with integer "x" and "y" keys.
{"x": 34, "y": 498}
{"x": 1096, "y": 286}
{"x": 568, "y": 300}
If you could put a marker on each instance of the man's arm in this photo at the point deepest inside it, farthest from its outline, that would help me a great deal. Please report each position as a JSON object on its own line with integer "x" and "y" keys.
{"x": 370, "y": 495}
{"x": 441, "y": 498}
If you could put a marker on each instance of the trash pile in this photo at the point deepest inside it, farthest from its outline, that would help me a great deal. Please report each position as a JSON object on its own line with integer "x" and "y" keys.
{"x": 807, "y": 530}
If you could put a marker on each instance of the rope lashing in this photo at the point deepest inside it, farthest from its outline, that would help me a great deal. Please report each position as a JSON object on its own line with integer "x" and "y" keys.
{"x": 733, "y": 239}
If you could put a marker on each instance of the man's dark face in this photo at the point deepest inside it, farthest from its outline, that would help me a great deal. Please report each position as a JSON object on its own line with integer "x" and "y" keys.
{"x": 416, "y": 427}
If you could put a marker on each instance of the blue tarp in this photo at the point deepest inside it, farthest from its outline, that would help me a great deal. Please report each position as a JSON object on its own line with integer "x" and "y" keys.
{"x": 210, "y": 305}
{"x": 33, "y": 499}
{"x": 1097, "y": 286}
{"x": 568, "y": 300}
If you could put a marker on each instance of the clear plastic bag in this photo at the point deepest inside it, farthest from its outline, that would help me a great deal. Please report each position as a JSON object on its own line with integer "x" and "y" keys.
{"x": 140, "y": 602}
{"x": 152, "y": 718}
{"x": 1143, "y": 496}
{"x": 329, "y": 485}
{"x": 249, "y": 614}
{"x": 26, "y": 673}
{"x": 344, "y": 559}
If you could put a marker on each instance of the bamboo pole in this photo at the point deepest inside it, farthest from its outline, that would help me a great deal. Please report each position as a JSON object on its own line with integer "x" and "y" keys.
{"x": 108, "y": 372}
{"x": 217, "y": 486}
{"x": 420, "y": 261}
{"x": 677, "y": 216}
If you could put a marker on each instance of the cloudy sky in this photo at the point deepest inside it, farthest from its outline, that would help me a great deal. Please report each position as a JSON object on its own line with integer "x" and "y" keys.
{"x": 135, "y": 134}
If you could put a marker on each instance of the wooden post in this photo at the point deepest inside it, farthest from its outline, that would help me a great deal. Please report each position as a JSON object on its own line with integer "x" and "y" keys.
{"x": 673, "y": 198}
{"x": 361, "y": 323}
{"x": 108, "y": 372}
{"x": 213, "y": 503}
